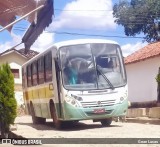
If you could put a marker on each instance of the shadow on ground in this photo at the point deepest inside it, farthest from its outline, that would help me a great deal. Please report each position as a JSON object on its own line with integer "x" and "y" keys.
{"x": 67, "y": 126}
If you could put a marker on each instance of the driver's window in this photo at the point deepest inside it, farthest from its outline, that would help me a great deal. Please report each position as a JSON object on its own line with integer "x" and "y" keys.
{"x": 76, "y": 62}
{"x": 70, "y": 73}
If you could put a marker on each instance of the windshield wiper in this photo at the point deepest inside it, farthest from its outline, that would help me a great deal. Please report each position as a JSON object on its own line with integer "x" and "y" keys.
{"x": 104, "y": 76}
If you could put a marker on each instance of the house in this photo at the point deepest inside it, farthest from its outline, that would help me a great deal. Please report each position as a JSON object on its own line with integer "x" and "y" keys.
{"x": 16, "y": 58}
{"x": 142, "y": 68}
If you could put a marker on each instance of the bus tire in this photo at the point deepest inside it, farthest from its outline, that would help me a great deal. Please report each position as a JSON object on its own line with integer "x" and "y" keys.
{"x": 56, "y": 121}
{"x": 106, "y": 122}
{"x": 35, "y": 119}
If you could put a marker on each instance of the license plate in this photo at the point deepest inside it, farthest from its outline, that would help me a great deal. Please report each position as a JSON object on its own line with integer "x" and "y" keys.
{"x": 97, "y": 111}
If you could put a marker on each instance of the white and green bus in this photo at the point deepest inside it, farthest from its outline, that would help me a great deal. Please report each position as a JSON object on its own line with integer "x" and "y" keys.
{"x": 76, "y": 80}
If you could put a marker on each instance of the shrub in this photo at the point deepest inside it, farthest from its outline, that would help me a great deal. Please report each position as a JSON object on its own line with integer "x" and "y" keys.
{"x": 8, "y": 104}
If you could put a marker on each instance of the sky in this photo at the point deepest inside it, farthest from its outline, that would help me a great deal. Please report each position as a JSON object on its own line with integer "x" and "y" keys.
{"x": 76, "y": 19}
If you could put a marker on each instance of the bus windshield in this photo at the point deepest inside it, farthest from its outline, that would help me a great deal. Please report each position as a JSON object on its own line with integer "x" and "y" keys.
{"x": 92, "y": 66}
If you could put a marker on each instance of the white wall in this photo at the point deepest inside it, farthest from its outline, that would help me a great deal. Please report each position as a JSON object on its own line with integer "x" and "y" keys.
{"x": 141, "y": 76}
{"x": 19, "y": 97}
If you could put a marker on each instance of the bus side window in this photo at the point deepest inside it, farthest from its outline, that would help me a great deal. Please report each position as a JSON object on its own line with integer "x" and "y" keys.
{"x": 41, "y": 70}
{"x": 34, "y": 73}
{"x": 23, "y": 78}
{"x": 29, "y": 78}
{"x": 48, "y": 67}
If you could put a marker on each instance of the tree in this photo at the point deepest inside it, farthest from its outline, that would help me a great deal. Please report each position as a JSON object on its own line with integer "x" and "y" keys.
{"x": 139, "y": 16}
{"x": 158, "y": 86}
{"x": 8, "y": 104}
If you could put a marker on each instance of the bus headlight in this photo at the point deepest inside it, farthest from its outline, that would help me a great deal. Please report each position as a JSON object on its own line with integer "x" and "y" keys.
{"x": 121, "y": 99}
{"x": 68, "y": 99}
{"x": 77, "y": 97}
{"x": 71, "y": 101}
{"x": 126, "y": 94}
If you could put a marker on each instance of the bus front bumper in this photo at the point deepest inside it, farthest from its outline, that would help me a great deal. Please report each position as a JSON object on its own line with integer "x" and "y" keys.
{"x": 80, "y": 113}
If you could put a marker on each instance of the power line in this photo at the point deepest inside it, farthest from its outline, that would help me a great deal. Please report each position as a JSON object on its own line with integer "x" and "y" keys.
{"x": 84, "y": 34}
{"x": 99, "y": 10}
{"x": 123, "y": 23}
{"x": 92, "y": 35}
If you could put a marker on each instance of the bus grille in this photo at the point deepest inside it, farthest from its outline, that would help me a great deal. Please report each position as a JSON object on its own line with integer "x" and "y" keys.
{"x": 98, "y": 103}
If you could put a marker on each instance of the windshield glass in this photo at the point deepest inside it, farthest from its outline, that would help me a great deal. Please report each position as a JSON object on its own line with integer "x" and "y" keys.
{"x": 92, "y": 66}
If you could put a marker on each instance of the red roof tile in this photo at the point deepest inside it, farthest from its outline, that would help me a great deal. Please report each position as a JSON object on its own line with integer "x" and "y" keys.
{"x": 29, "y": 54}
{"x": 146, "y": 52}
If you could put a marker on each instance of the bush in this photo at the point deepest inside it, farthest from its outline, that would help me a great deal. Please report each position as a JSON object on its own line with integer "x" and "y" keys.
{"x": 8, "y": 104}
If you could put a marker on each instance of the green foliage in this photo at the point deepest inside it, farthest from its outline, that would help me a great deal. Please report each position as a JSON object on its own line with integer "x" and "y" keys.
{"x": 138, "y": 16}
{"x": 8, "y": 104}
{"x": 158, "y": 78}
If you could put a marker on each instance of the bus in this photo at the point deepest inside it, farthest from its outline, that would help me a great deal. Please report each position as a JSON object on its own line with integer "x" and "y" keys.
{"x": 83, "y": 79}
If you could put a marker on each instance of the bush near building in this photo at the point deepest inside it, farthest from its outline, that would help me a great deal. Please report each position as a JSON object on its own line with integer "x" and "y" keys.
{"x": 8, "y": 104}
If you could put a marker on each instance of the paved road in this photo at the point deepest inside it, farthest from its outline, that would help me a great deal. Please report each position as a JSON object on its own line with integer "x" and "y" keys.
{"x": 88, "y": 129}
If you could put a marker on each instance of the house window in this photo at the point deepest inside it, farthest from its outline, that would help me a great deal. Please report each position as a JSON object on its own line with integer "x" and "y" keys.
{"x": 23, "y": 78}
{"x": 15, "y": 73}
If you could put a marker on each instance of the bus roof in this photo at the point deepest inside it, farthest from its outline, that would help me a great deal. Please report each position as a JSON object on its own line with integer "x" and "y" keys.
{"x": 83, "y": 41}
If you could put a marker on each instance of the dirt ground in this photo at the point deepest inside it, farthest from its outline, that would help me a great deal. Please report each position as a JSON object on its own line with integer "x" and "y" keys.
{"x": 87, "y": 129}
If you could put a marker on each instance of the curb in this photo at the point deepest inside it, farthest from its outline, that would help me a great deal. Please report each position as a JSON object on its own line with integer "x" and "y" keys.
{"x": 143, "y": 120}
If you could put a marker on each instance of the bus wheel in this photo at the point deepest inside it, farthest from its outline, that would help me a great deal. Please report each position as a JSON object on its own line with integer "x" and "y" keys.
{"x": 57, "y": 123}
{"x": 106, "y": 122}
{"x": 35, "y": 119}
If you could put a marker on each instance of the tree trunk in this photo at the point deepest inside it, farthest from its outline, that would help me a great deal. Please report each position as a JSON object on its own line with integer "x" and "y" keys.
{"x": 2, "y": 130}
